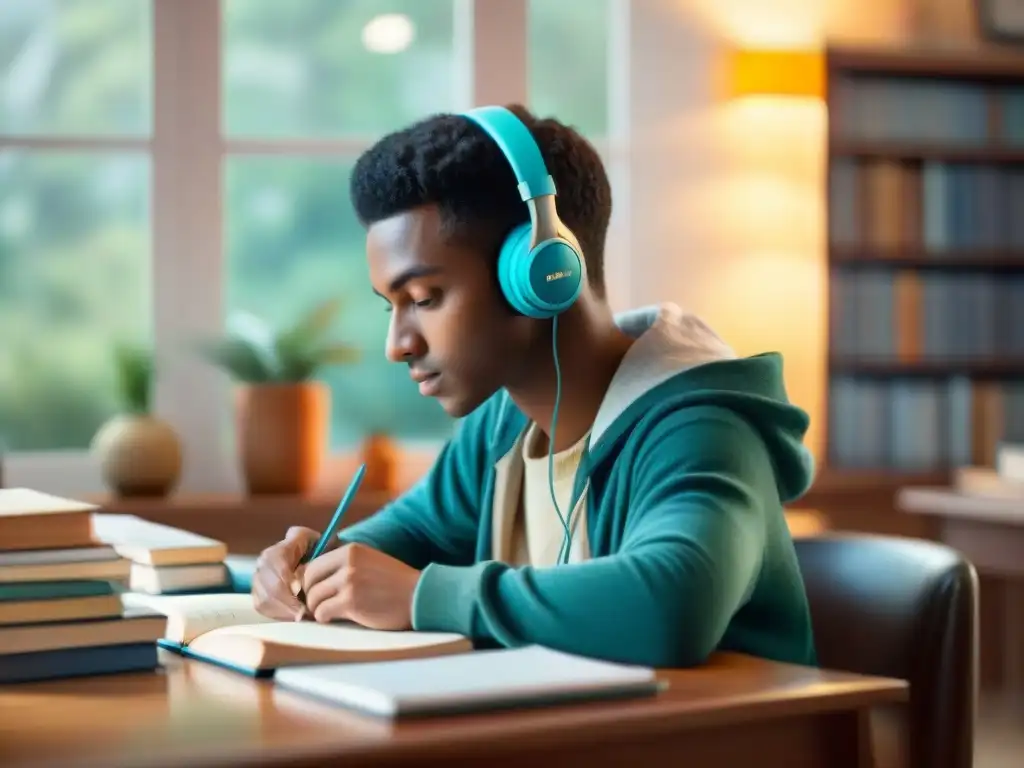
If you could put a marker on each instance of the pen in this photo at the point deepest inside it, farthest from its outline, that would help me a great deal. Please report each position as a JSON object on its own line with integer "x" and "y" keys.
{"x": 332, "y": 526}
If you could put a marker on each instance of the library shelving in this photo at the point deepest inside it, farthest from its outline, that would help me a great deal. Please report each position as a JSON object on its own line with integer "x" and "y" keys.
{"x": 925, "y": 237}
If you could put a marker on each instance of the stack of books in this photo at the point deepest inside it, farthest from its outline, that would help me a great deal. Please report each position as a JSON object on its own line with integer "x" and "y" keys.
{"x": 162, "y": 559}
{"x": 61, "y": 608}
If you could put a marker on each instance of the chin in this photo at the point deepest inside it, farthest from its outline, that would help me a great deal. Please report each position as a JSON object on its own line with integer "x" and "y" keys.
{"x": 456, "y": 407}
{"x": 459, "y": 405}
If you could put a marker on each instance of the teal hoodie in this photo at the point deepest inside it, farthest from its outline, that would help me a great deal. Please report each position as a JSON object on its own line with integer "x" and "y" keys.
{"x": 683, "y": 548}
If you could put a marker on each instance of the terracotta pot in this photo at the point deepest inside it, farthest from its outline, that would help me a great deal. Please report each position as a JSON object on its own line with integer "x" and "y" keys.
{"x": 380, "y": 454}
{"x": 139, "y": 455}
{"x": 282, "y": 435}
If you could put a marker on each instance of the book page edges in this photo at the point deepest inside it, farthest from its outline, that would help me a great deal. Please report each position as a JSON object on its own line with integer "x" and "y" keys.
{"x": 257, "y": 653}
{"x": 19, "y": 502}
{"x": 190, "y": 616}
{"x": 208, "y": 554}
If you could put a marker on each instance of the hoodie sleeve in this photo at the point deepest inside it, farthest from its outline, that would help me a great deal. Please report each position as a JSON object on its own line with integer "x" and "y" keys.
{"x": 437, "y": 519}
{"x": 690, "y": 555}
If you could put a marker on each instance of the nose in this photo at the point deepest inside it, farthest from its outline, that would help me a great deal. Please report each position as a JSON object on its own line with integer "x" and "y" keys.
{"x": 404, "y": 340}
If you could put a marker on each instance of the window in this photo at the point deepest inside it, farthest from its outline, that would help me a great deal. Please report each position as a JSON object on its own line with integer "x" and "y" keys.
{"x": 74, "y": 212}
{"x": 570, "y": 38}
{"x": 164, "y": 164}
{"x": 75, "y": 68}
{"x": 570, "y": 49}
{"x": 312, "y": 74}
{"x": 294, "y": 241}
{"x": 315, "y": 68}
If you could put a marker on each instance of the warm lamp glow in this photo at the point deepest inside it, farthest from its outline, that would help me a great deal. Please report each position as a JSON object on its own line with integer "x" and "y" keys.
{"x": 776, "y": 73}
{"x": 763, "y": 24}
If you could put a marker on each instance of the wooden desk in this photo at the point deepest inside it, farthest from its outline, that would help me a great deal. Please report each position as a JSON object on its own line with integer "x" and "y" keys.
{"x": 989, "y": 531}
{"x": 736, "y": 711}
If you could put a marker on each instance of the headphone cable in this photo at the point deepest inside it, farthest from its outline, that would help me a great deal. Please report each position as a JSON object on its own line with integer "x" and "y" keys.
{"x": 563, "y": 552}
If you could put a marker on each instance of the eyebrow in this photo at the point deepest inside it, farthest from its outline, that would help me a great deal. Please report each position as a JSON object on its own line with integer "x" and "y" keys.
{"x": 412, "y": 273}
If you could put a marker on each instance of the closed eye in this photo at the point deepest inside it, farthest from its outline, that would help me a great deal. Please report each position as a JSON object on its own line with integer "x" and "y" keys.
{"x": 431, "y": 301}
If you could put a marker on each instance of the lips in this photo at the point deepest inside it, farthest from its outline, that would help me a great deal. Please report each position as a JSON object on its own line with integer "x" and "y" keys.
{"x": 428, "y": 381}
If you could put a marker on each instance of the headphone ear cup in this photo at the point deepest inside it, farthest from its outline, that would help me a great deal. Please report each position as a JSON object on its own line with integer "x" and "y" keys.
{"x": 543, "y": 282}
{"x": 513, "y": 266}
{"x": 552, "y": 277}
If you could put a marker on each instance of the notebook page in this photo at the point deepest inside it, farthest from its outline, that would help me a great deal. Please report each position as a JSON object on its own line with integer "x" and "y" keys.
{"x": 189, "y": 616}
{"x": 337, "y": 636}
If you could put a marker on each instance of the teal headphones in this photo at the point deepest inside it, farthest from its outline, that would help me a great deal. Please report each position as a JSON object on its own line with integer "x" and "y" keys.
{"x": 541, "y": 269}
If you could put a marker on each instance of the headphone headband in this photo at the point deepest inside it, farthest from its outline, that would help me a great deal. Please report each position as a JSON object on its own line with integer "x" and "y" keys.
{"x": 518, "y": 145}
{"x": 540, "y": 265}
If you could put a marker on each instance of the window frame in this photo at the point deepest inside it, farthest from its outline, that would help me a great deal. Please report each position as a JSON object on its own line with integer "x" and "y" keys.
{"x": 187, "y": 153}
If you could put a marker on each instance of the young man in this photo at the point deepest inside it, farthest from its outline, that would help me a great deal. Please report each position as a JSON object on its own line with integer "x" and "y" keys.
{"x": 673, "y": 455}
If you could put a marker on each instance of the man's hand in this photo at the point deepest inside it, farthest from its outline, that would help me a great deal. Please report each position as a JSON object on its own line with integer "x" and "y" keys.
{"x": 275, "y": 583}
{"x": 358, "y": 583}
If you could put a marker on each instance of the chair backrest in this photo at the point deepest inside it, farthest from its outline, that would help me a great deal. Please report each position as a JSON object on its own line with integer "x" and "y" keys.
{"x": 902, "y": 608}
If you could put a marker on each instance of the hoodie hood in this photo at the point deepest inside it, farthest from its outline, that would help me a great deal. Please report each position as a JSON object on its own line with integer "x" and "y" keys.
{"x": 678, "y": 361}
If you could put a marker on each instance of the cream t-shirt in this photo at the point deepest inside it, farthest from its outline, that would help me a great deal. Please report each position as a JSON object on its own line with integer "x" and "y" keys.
{"x": 537, "y": 534}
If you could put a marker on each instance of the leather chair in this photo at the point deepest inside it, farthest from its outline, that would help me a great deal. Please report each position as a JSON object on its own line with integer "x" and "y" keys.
{"x": 902, "y": 608}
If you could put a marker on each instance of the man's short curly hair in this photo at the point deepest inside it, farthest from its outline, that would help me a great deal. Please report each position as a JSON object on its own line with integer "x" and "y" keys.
{"x": 448, "y": 161}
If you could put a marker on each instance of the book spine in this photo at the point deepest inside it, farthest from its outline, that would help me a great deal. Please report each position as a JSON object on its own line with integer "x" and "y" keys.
{"x": 922, "y": 424}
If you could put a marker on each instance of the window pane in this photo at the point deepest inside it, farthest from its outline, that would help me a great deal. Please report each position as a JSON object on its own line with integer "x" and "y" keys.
{"x": 570, "y": 38}
{"x": 74, "y": 280}
{"x": 293, "y": 241}
{"x": 75, "y": 67}
{"x": 324, "y": 67}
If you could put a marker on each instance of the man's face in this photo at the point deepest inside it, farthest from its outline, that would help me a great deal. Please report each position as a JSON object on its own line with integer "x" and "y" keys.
{"x": 460, "y": 340}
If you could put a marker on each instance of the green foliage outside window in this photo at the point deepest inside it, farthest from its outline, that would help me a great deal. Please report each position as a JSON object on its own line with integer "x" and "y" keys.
{"x": 75, "y": 263}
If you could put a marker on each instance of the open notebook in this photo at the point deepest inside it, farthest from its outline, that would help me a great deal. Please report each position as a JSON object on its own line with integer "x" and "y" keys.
{"x": 225, "y": 629}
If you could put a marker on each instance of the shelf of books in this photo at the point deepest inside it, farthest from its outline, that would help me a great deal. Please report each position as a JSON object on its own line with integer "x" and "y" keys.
{"x": 926, "y": 260}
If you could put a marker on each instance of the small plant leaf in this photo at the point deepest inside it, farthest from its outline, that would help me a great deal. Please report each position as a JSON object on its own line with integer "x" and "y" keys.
{"x": 297, "y": 368}
{"x": 238, "y": 358}
{"x": 315, "y": 323}
{"x": 258, "y": 337}
{"x": 318, "y": 320}
{"x": 252, "y": 352}
{"x": 135, "y": 372}
{"x": 294, "y": 359}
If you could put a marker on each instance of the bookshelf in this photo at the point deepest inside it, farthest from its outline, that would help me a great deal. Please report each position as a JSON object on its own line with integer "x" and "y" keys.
{"x": 925, "y": 233}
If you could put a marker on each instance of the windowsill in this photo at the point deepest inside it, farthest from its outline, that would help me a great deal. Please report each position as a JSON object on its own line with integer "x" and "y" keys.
{"x": 76, "y": 474}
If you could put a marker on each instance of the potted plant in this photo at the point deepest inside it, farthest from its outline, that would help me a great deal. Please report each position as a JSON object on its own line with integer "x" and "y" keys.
{"x": 282, "y": 411}
{"x": 139, "y": 453}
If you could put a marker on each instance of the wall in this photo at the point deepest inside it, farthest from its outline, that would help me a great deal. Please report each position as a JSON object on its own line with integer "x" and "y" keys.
{"x": 727, "y": 199}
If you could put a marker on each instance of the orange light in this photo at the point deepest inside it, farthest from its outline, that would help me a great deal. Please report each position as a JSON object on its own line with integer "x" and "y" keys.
{"x": 776, "y": 72}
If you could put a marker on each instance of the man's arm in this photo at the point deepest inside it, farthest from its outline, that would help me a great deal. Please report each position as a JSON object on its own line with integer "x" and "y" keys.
{"x": 690, "y": 555}
{"x": 437, "y": 519}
